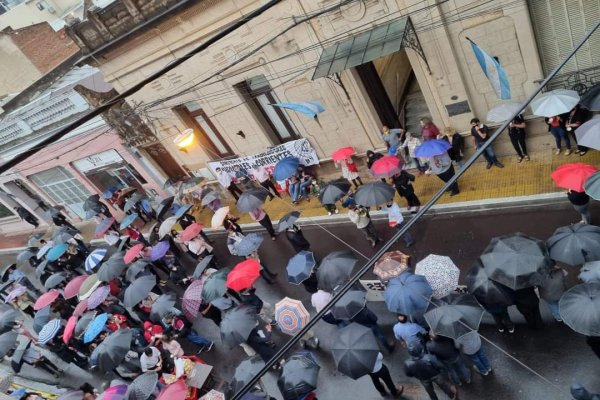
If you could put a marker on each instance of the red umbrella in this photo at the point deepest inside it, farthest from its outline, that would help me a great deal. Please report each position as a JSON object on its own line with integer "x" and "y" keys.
{"x": 69, "y": 329}
{"x": 46, "y": 299}
{"x": 81, "y": 308}
{"x": 243, "y": 275}
{"x": 191, "y": 232}
{"x": 386, "y": 167}
{"x": 72, "y": 288}
{"x": 133, "y": 252}
{"x": 175, "y": 391}
{"x": 572, "y": 176}
{"x": 342, "y": 154}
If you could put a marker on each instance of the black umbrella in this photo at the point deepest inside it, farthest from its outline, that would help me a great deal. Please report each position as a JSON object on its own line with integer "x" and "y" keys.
{"x": 334, "y": 191}
{"x": 112, "y": 268}
{"x": 201, "y": 266}
{"x": 52, "y": 212}
{"x": 355, "y": 350}
{"x": 54, "y": 280}
{"x": 163, "y": 207}
{"x": 92, "y": 203}
{"x": 112, "y": 350}
{"x": 215, "y": 285}
{"x": 24, "y": 256}
{"x": 142, "y": 387}
{"x": 84, "y": 321}
{"x": 335, "y": 269}
{"x": 299, "y": 375}
{"x": 517, "y": 261}
{"x": 373, "y": 194}
{"x": 237, "y": 323}
{"x": 487, "y": 292}
{"x": 136, "y": 268}
{"x": 591, "y": 98}
{"x": 7, "y": 320}
{"x": 162, "y": 306}
{"x": 138, "y": 290}
{"x": 580, "y": 308}
{"x": 16, "y": 361}
{"x": 132, "y": 201}
{"x": 575, "y": 244}
{"x": 454, "y": 316}
{"x": 252, "y": 199}
{"x": 41, "y": 318}
{"x": 4, "y": 272}
{"x": 287, "y": 220}
{"x": 7, "y": 342}
{"x": 244, "y": 372}
{"x": 300, "y": 267}
{"x": 350, "y": 304}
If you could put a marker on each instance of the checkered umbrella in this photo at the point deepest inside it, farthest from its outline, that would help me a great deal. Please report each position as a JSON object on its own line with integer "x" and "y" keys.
{"x": 391, "y": 265}
{"x": 49, "y": 331}
{"x": 97, "y": 297}
{"x": 248, "y": 245}
{"x": 192, "y": 298}
{"x": 440, "y": 272}
{"x": 94, "y": 259}
{"x": 291, "y": 315}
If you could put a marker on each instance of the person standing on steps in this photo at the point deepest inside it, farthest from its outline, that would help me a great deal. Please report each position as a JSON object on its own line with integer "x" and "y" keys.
{"x": 481, "y": 133}
{"x": 577, "y": 117}
{"x": 442, "y": 166}
{"x": 457, "y": 142}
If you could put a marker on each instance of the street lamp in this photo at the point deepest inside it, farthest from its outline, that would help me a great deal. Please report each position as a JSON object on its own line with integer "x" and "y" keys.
{"x": 184, "y": 139}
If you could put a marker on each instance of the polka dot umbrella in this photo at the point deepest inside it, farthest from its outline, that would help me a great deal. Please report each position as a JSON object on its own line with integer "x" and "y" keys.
{"x": 440, "y": 272}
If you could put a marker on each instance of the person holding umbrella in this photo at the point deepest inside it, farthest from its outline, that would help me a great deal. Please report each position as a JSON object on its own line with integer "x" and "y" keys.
{"x": 361, "y": 218}
{"x": 382, "y": 373}
{"x": 552, "y": 289}
{"x": 315, "y": 189}
{"x": 516, "y": 133}
{"x": 556, "y": 126}
{"x": 263, "y": 177}
{"x": 411, "y": 143}
{"x": 178, "y": 327}
{"x": 226, "y": 180}
{"x": 443, "y": 348}
{"x": 428, "y": 370}
{"x": 408, "y": 332}
{"x": 581, "y": 203}
{"x": 260, "y": 215}
{"x": 441, "y": 165}
{"x": 395, "y": 220}
{"x": 367, "y": 318}
{"x": 456, "y": 142}
{"x": 528, "y": 304}
{"x": 59, "y": 219}
{"x": 349, "y": 171}
{"x": 33, "y": 356}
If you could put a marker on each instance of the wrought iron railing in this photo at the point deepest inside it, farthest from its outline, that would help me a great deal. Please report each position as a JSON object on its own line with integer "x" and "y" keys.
{"x": 580, "y": 81}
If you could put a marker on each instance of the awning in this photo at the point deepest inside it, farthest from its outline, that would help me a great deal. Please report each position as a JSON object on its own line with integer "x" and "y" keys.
{"x": 368, "y": 46}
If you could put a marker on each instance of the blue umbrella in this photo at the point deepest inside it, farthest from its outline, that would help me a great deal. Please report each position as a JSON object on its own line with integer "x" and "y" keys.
{"x": 300, "y": 267}
{"x": 94, "y": 259}
{"x": 182, "y": 210}
{"x": 49, "y": 331}
{"x": 95, "y": 327}
{"x": 128, "y": 220}
{"x": 57, "y": 251}
{"x": 108, "y": 193}
{"x": 408, "y": 294}
{"x": 249, "y": 244}
{"x": 432, "y": 148}
{"x": 285, "y": 168}
{"x": 159, "y": 250}
{"x": 310, "y": 108}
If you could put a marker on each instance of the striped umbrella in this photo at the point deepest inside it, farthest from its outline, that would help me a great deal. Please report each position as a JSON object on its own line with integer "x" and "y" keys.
{"x": 192, "y": 298}
{"x": 440, "y": 272}
{"x": 46, "y": 299}
{"x": 291, "y": 315}
{"x": 72, "y": 288}
{"x": 88, "y": 286}
{"x": 94, "y": 259}
{"x": 97, "y": 297}
{"x": 57, "y": 251}
{"x": 49, "y": 331}
{"x": 103, "y": 227}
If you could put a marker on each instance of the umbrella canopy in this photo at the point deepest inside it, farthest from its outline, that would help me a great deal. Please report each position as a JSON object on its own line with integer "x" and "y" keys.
{"x": 215, "y": 285}
{"x": 166, "y": 226}
{"x": 24, "y": 256}
{"x": 159, "y": 250}
{"x": 237, "y": 324}
{"x": 46, "y": 299}
{"x": 85, "y": 320}
{"x": 334, "y": 190}
{"x": 215, "y": 395}
{"x": 335, "y": 269}
{"x": 291, "y": 315}
{"x": 201, "y": 266}
{"x": 373, "y": 194}
{"x": 57, "y": 251}
{"x": 116, "y": 392}
{"x": 104, "y": 226}
{"x": 95, "y": 327}
{"x": 575, "y": 244}
{"x": 92, "y": 203}
{"x": 164, "y": 206}
{"x": 350, "y": 304}
{"x": 71, "y": 395}
{"x": 591, "y": 98}
{"x": 162, "y": 306}
{"x": 181, "y": 211}
{"x": 209, "y": 198}
{"x": 355, "y": 350}
{"x": 7, "y": 342}
{"x": 555, "y": 102}
{"x": 440, "y": 272}
{"x": 88, "y": 286}
{"x": 94, "y": 259}
{"x": 41, "y": 268}
{"x": 243, "y": 275}
{"x": 454, "y": 316}
{"x": 391, "y": 265}
{"x": 191, "y": 232}
{"x": 287, "y": 220}
{"x": 300, "y": 267}
{"x": 81, "y": 308}
{"x": 192, "y": 299}
{"x": 54, "y": 280}
{"x": 432, "y": 148}
{"x": 285, "y": 168}
{"x": 135, "y": 269}
{"x": 244, "y": 372}
{"x": 573, "y": 176}
{"x": 487, "y": 292}
{"x": 249, "y": 244}
{"x": 192, "y": 184}
{"x": 133, "y": 201}
{"x": 98, "y": 297}
{"x": 592, "y": 186}
{"x": 16, "y": 292}
{"x": 175, "y": 391}
{"x": 138, "y": 290}
{"x": 69, "y": 329}
{"x": 588, "y": 133}
{"x": 590, "y": 272}
{"x": 142, "y": 387}
{"x": 7, "y": 320}
{"x": 299, "y": 375}
{"x": 49, "y": 331}
{"x": 342, "y": 154}
{"x": 133, "y": 252}
{"x": 386, "y": 167}
{"x": 112, "y": 350}
{"x": 580, "y": 308}
{"x": 408, "y": 294}
{"x": 252, "y": 199}
{"x": 41, "y": 318}
{"x": 17, "y": 357}
{"x": 218, "y": 217}
{"x": 503, "y": 111}
{"x": 128, "y": 220}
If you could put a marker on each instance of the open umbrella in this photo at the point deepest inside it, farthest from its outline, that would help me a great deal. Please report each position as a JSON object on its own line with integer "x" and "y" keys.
{"x": 580, "y": 308}
{"x": 573, "y": 176}
{"x": 112, "y": 268}
{"x": 24, "y": 256}
{"x": 84, "y": 321}
{"x": 218, "y": 217}
{"x": 486, "y": 291}
{"x": 41, "y": 268}
{"x": 386, "y": 167}
{"x": 88, "y": 286}
{"x": 334, "y": 190}
{"x": 575, "y": 244}
{"x": 590, "y": 272}
{"x": 7, "y": 320}
{"x": 41, "y": 318}
{"x": 34, "y": 239}
{"x": 135, "y": 269}
{"x": 17, "y": 357}
{"x": 94, "y": 259}
{"x": 373, "y": 194}
{"x": 81, "y": 308}
{"x": 49, "y": 331}
{"x": 162, "y": 306}
{"x": 191, "y": 232}
{"x": 133, "y": 252}
{"x": 555, "y": 102}
{"x": 201, "y": 266}
{"x": 54, "y": 280}
{"x": 503, "y": 111}
{"x": 237, "y": 323}
{"x": 285, "y": 168}
{"x": 159, "y": 250}
{"x": 350, "y": 304}
{"x": 181, "y": 211}
{"x": 92, "y": 203}
{"x": 132, "y": 201}
{"x": 355, "y": 350}
{"x": 116, "y": 392}
{"x": 138, "y": 290}
{"x": 95, "y": 327}
{"x": 192, "y": 299}
{"x": 391, "y": 265}
{"x": 291, "y": 316}
{"x": 454, "y": 316}
{"x": 287, "y": 220}
{"x": 166, "y": 226}
{"x": 103, "y": 226}
{"x": 592, "y": 186}
{"x": 335, "y": 269}
{"x": 108, "y": 193}
{"x": 163, "y": 206}
{"x": 299, "y": 375}
{"x": 588, "y": 133}
{"x": 244, "y": 372}
{"x": 342, "y": 154}
{"x": 142, "y": 387}
{"x": 249, "y": 244}
{"x": 408, "y": 294}
{"x": 209, "y": 198}
{"x": 128, "y": 220}
{"x": 16, "y": 292}
{"x": 57, "y": 251}
{"x": 432, "y": 148}
{"x": 243, "y": 275}
{"x": 175, "y": 391}
{"x": 591, "y": 98}
{"x": 192, "y": 184}
{"x": 517, "y": 261}
{"x": 215, "y": 285}
{"x": 252, "y": 199}
{"x": 300, "y": 267}
{"x": 69, "y": 329}
{"x": 7, "y": 342}
{"x": 440, "y": 272}
{"x": 46, "y": 299}
{"x": 98, "y": 297}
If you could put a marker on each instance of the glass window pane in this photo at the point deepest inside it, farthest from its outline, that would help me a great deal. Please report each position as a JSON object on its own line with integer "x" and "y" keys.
{"x": 212, "y": 136}
{"x": 273, "y": 116}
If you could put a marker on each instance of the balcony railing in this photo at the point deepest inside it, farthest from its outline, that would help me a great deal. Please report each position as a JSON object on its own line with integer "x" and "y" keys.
{"x": 580, "y": 81}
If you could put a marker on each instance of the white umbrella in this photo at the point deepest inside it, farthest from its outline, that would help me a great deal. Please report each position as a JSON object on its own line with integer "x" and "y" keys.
{"x": 588, "y": 134}
{"x": 440, "y": 272}
{"x": 503, "y": 111}
{"x": 555, "y": 102}
{"x": 219, "y": 217}
{"x": 166, "y": 226}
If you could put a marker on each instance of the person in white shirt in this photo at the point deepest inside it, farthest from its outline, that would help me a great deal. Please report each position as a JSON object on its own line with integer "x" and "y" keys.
{"x": 382, "y": 373}
{"x": 360, "y": 217}
{"x": 151, "y": 359}
{"x": 263, "y": 176}
{"x": 395, "y": 220}
{"x": 226, "y": 180}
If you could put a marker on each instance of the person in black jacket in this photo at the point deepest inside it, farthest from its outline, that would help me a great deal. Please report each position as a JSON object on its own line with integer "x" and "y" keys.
{"x": 296, "y": 238}
{"x": 443, "y": 348}
{"x": 27, "y": 216}
{"x": 528, "y": 304}
{"x": 367, "y": 318}
{"x": 260, "y": 341}
{"x": 404, "y": 187}
{"x": 581, "y": 203}
{"x": 428, "y": 370}
{"x": 371, "y": 158}
{"x": 457, "y": 142}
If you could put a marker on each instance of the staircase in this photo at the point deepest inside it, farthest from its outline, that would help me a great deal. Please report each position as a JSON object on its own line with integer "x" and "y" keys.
{"x": 415, "y": 108}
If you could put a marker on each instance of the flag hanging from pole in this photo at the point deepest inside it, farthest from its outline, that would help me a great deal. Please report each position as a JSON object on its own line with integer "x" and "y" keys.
{"x": 493, "y": 71}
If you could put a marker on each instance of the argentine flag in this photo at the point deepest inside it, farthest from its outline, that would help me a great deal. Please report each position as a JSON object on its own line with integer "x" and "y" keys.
{"x": 493, "y": 71}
